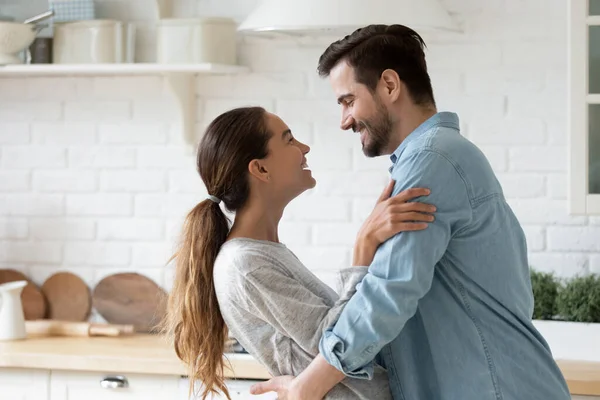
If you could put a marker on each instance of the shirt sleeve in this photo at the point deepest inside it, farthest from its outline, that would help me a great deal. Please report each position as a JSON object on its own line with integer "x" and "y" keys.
{"x": 294, "y": 310}
{"x": 402, "y": 270}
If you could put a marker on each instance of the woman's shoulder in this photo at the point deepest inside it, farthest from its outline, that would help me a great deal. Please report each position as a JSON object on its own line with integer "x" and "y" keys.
{"x": 244, "y": 256}
{"x": 242, "y": 263}
{"x": 239, "y": 258}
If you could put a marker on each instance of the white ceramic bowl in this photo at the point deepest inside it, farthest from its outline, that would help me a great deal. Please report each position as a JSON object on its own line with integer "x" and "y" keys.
{"x": 14, "y": 38}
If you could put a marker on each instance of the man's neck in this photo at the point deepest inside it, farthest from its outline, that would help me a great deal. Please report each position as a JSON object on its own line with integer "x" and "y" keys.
{"x": 409, "y": 120}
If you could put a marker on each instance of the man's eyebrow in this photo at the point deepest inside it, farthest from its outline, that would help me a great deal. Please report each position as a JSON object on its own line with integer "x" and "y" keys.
{"x": 344, "y": 97}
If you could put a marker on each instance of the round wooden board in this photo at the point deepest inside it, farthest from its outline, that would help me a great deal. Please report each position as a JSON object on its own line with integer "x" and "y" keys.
{"x": 34, "y": 302}
{"x": 130, "y": 298}
{"x": 68, "y": 297}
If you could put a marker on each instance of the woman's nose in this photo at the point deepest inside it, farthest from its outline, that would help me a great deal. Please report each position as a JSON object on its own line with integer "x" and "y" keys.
{"x": 305, "y": 148}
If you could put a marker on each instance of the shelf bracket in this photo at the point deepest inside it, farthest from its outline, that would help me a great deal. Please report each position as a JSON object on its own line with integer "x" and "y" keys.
{"x": 181, "y": 87}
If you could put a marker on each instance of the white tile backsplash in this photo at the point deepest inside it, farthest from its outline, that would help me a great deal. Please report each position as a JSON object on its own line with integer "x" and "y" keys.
{"x": 94, "y": 176}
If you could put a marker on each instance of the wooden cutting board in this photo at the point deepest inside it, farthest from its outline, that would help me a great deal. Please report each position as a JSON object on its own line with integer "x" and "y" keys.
{"x": 68, "y": 297}
{"x": 52, "y": 327}
{"x": 130, "y": 298}
{"x": 34, "y": 302}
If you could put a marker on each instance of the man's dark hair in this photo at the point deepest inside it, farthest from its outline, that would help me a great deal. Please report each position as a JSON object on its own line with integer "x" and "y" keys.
{"x": 375, "y": 48}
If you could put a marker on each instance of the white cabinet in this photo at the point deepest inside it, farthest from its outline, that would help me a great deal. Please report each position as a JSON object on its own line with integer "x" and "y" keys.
{"x": 24, "y": 384}
{"x": 584, "y": 106}
{"x": 238, "y": 390}
{"x": 75, "y": 385}
{"x": 34, "y": 384}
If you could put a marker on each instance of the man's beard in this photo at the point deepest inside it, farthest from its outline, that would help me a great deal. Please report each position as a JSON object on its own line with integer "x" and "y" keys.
{"x": 379, "y": 129}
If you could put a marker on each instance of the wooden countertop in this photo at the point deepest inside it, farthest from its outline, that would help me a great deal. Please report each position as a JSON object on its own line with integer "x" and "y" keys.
{"x": 150, "y": 354}
{"x": 147, "y": 354}
{"x": 583, "y": 377}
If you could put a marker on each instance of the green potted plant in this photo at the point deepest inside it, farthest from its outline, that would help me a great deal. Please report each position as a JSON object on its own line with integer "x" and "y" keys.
{"x": 574, "y": 327}
{"x": 545, "y": 290}
{"x": 579, "y": 300}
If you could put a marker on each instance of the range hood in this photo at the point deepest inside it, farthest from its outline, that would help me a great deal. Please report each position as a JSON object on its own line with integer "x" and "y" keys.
{"x": 341, "y": 17}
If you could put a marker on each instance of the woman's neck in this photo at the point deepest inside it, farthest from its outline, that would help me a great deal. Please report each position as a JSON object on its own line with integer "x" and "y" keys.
{"x": 257, "y": 221}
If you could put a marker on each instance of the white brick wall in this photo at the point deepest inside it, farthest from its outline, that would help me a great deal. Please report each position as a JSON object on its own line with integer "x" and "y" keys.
{"x": 94, "y": 179}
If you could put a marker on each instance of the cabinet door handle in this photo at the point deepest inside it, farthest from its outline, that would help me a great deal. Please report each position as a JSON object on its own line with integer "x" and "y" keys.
{"x": 114, "y": 382}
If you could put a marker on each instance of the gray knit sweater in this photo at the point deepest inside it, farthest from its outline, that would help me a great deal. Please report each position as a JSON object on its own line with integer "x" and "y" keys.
{"x": 277, "y": 309}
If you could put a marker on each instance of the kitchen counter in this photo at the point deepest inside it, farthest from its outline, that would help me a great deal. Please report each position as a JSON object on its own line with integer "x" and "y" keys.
{"x": 149, "y": 354}
{"x": 140, "y": 353}
{"x": 583, "y": 377}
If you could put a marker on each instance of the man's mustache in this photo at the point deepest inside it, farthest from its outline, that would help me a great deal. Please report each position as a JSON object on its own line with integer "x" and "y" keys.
{"x": 358, "y": 127}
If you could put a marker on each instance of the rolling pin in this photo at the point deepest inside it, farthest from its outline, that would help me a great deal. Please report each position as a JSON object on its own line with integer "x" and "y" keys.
{"x": 48, "y": 327}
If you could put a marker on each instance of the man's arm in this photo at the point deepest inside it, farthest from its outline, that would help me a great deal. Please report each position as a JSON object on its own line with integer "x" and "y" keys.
{"x": 400, "y": 275}
{"x": 288, "y": 388}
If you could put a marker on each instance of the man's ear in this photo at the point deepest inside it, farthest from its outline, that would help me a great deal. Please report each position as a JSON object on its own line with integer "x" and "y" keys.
{"x": 392, "y": 85}
{"x": 258, "y": 169}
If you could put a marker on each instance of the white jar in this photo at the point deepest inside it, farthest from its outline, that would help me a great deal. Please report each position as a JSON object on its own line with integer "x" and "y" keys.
{"x": 88, "y": 42}
{"x": 196, "y": 40}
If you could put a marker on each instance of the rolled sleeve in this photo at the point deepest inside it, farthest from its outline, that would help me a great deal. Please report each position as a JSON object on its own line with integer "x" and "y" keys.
{"x": 331, "y": 345}
{"x": 349, "y": 278}
{"x": 402, "y": 270}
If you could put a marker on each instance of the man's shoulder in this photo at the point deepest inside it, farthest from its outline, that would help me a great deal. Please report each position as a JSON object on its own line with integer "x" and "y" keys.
{"x": 445, "y": 150}
{"x": 440, "y": 139}
{"x": 446, "y": 157}
{"x": 447, "y": 146}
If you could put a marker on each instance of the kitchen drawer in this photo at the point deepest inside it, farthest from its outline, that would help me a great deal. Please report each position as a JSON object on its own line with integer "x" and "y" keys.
{"x": 68, "y": 385}
{"x": 24, "y": 384}
{"x": 239, "y": 389}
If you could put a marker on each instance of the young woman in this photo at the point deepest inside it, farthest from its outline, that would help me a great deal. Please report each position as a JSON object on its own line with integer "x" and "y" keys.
{"x": 243, "y": 279}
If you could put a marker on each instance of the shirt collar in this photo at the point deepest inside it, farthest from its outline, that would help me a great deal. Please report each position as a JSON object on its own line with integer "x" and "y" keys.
{"x": 446, "y": 119}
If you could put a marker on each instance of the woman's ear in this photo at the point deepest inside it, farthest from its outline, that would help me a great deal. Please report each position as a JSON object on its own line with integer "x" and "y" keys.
{"x": 258, "y": 169}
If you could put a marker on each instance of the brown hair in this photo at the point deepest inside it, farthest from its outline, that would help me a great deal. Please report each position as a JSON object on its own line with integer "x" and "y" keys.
{"x": 194, "y": 320}
{"x": 375, "y": 48}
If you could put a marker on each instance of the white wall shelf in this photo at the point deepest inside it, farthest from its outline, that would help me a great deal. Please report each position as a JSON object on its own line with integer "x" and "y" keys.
{"x": 179, "y": 79}
{"x": 22, "y": 70}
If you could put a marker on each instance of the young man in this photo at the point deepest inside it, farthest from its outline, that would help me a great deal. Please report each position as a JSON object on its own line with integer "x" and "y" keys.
{"x": 447, "y": 309}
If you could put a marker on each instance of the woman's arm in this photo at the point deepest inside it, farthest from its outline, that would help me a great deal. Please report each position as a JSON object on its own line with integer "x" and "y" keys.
{"x": 290, "y": 307}
{"x": 294, "y": 310}
{"x": 390, "y": 216}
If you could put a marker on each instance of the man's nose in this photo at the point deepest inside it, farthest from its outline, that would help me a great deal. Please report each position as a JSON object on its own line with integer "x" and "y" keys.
{"x": 347, "y": 122}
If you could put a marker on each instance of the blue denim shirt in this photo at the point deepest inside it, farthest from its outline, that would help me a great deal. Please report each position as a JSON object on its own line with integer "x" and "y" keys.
{"x": 448, "y": 309}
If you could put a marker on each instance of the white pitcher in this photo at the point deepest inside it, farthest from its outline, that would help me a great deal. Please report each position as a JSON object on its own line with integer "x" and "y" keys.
{"x": 12, "y": 319}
